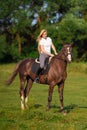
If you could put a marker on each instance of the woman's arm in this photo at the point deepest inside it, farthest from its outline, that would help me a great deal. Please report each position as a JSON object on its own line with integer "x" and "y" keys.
{"x": 54, "y": 49}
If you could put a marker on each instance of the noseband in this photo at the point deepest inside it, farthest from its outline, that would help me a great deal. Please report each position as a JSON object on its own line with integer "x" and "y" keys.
{"x": 69, "y": 54}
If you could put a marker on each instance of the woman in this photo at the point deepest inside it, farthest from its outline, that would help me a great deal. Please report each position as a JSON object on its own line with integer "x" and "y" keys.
{"x": 45, "y": 45}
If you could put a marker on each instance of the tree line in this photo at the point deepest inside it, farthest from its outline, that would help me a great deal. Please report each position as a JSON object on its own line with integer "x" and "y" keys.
{"x": 21, "y": 22}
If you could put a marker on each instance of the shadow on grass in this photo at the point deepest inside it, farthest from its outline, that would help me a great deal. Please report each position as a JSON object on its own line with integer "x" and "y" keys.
{"x": 67, "y": 109}
{"x": 73, "y": 106}
{"x": 37, "y": 105}
{"x": 70, "y": 107}
{"x": 85, "y": 107}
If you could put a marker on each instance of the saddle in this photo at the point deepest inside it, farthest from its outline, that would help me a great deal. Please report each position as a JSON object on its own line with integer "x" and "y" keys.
{"x": 36, "y": 65}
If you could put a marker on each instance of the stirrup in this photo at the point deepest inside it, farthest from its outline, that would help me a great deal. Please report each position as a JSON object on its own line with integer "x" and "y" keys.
{"x": 36, "y": 80}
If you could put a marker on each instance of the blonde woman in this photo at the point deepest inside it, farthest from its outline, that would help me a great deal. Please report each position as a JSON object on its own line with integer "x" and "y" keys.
{"x": 45, "y": 45}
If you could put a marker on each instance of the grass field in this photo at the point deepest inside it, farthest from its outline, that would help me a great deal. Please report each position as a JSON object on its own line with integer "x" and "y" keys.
{"x": 36, "y": 117}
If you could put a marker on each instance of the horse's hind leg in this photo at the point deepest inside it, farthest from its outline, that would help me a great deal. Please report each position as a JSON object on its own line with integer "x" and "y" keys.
{"x": 27, "y": 90}
{"x": 22, "y": 81}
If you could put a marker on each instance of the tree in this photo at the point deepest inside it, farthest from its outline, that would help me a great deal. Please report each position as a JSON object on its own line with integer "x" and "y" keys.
{"x": 65, "y": 20}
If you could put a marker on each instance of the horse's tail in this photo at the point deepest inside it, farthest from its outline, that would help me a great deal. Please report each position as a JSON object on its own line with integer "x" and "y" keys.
{"x": 14, "y": 74}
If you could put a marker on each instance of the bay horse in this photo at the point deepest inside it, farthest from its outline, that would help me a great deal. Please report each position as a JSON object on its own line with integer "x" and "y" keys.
{"x": 56, "y": 75}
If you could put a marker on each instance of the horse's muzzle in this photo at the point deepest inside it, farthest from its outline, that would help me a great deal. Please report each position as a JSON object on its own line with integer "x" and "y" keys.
{"x": 69, "y": 58}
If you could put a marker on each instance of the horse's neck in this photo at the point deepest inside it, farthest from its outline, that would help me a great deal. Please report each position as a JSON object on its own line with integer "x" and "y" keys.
{"x": 61, "y": 55}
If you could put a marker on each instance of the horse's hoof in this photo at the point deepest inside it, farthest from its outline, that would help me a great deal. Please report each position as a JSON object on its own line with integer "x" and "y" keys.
{"x": 64, "y": 113}
{"x": 23, "y": 108}
{"x": 48, "y": 108}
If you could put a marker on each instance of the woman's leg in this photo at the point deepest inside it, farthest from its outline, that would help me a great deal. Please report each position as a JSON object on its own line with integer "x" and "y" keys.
{"x": 42, "y": 59}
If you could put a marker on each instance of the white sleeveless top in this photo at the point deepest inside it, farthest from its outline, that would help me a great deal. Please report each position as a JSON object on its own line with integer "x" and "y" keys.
{"x": 47, "y": 43}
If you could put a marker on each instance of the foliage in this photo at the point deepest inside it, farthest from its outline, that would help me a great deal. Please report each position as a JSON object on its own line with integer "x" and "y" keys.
{"x": 2, "y": 46}
{"x": 65, "y": 20}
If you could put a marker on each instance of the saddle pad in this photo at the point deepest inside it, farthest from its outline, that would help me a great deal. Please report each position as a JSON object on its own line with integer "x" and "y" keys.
{"x": 35, "y": 67}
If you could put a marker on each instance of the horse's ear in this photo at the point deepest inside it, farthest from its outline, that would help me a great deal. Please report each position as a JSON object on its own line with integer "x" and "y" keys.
{"x": 63, "y": 44}
{"x": 72, "y": 44}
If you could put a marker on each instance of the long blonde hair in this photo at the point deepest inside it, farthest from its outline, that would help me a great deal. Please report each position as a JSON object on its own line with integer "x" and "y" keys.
{"x": 39, "y": 38}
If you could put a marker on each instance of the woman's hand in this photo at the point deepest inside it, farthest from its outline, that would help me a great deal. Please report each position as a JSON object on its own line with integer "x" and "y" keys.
{"x": 52, "y": 55}
{"x": 56, "y": 53}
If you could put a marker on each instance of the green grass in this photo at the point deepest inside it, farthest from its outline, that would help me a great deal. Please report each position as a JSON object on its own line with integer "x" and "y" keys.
{"x": 36, "y": 117}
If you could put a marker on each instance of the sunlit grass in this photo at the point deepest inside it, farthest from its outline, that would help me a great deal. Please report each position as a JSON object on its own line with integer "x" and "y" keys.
{"x": 36, "y": 117}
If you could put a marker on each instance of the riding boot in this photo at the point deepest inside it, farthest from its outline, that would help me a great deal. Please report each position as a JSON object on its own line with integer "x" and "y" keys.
{"x": 39, "y": 71}
{"x": 37, "y": 75}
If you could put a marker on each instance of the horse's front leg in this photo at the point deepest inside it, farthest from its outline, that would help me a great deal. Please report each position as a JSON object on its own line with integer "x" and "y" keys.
{"x": 60, "y": 90}
{"x": 50, "y": 92}
{"x": 27, "y": 90}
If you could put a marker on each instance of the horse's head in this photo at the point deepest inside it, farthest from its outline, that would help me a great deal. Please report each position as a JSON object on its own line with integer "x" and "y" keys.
{"x": 68, "y": 52}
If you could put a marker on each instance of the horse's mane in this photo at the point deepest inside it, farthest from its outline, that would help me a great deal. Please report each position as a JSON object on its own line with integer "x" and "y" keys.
{"x": 60, "y": 55}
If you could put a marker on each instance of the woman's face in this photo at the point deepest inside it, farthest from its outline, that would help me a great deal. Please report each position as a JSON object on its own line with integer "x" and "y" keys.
{"x": 44, "y": 35}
